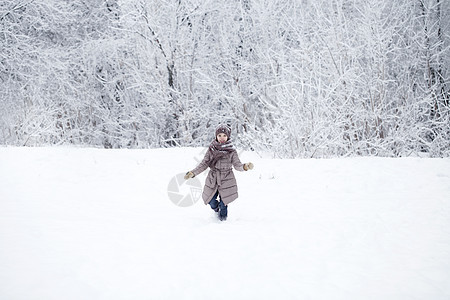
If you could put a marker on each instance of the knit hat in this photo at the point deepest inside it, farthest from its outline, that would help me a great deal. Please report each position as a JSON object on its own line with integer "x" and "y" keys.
{"x": 223, "y": 129}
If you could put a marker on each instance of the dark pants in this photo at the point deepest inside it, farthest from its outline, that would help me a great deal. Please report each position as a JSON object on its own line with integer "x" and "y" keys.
{"x": 214, "y": 204}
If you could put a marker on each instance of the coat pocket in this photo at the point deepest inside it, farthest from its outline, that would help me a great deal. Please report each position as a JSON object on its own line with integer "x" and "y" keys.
{"x": 228, "y": 180}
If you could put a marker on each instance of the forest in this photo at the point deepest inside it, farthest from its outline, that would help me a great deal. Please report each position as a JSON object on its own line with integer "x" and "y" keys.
{"x": 294, "y": 78}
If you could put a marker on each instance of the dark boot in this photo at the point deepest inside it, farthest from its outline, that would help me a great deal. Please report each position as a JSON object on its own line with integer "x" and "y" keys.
{"x": 223, "y": 213}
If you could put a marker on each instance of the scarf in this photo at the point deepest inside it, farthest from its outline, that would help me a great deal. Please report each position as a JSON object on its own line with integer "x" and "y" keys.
{"x": 219, "y": 150}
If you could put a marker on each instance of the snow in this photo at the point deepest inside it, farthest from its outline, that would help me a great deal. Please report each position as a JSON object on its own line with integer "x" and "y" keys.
{"x": 98, "y": 224}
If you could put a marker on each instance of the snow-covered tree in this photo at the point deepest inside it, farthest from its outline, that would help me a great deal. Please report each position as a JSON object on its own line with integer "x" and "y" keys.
{"x": 298, "y": 78}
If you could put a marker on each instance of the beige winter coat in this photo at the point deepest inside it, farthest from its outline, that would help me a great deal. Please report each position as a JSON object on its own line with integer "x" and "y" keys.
{"x": 220, "y": 177}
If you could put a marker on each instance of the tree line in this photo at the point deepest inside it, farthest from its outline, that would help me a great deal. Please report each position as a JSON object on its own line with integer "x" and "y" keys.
{"x": 297, "y": 78}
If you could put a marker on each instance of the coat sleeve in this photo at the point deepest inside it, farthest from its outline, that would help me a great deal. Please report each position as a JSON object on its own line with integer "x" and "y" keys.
{"x": 203, "y": 164}
{"x": 236, "y": 162}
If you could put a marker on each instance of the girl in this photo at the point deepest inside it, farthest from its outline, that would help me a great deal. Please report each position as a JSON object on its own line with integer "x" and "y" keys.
{"x": 221, "y": 182}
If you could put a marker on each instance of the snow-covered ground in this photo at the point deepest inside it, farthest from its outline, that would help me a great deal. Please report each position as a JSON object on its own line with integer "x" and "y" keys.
{"x": 99, "y": 224}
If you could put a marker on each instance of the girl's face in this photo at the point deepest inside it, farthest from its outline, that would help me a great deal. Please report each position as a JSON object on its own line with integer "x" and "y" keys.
{"x": 222, "y": 138}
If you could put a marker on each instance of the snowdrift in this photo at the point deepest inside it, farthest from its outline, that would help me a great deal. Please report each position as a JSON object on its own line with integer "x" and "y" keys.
{"x": 100, "y": 224}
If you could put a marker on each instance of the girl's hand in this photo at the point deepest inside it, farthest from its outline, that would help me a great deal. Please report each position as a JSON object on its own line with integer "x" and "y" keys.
{"x": 189, "y": 175}
{"x": 248, "y": 166}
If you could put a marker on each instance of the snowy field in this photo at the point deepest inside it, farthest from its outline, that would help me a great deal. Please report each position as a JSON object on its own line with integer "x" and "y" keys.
{"x": 98, "y": 224}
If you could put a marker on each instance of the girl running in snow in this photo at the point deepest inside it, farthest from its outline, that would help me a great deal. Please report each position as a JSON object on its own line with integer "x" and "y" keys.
{"x": 220, "y": 157}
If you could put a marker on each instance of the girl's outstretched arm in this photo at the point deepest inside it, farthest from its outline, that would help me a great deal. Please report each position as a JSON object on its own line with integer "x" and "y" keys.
{"x": 203, "y": 165}
{"x": 238, "y": 165}
{"x": 237, "y": 162}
